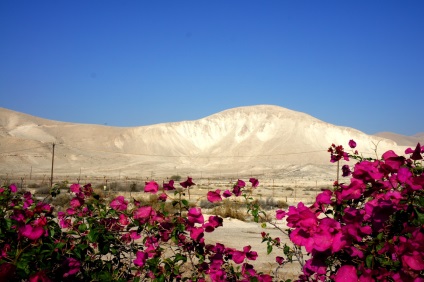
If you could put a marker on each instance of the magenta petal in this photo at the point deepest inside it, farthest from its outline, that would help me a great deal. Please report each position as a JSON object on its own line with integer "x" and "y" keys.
{"x": 346, "y": 273}
{"x": 238, "y": 256}
{"x": 352, "y": 144}
{"x": 32, "y": 233}
{"x": 214, "y": 196}
{"x": 75, "y": 188}
{"x": 151, "y": 187}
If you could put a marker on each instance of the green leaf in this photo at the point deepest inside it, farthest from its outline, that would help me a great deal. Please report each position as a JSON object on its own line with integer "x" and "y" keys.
{"x": 105, "y": 276}
{"x": 82, "y": 227}
{"x": 180, "y": 257}
{"x": 184, "y": 202}
{"x": 369, "y": 261}
{"x": 420, "y": 216}
{"x": 269, "y": 249}
{"x": 93, "y": 235}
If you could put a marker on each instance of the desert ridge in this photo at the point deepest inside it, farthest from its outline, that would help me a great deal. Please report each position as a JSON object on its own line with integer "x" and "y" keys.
{"x": 253, "y": 140}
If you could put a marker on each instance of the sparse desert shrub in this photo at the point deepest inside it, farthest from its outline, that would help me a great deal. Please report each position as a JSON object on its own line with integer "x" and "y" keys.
{"x": 62, "y": 185}
{"x": 175, "y": 177}
{"x": 232, "y": 209}
{"x": 42, "y": 191}
{"x": 205, "y": 204}
{"x": 60, "y": 202}
{"x": 33, "y": 185}
{"x": 114, "y": 186}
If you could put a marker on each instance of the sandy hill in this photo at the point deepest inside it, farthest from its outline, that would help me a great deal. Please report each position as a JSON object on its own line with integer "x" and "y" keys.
{"x": 403, "y": 140}
{"x": 252, "y": 140}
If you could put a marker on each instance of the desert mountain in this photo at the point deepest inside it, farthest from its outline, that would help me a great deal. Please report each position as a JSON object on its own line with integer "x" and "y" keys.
{"x": 403, "y": 140}
{"x": 250, "y": 140}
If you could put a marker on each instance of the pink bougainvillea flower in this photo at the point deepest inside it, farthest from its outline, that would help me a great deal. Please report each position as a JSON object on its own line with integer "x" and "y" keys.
{"x": 119, "y": 203}
{"x": 367, "y": 171}
{"x": 151, "y": 187}
{"x": 346, "y": 273}
{"x": 187, "y": 183}
{"x": 329, "y": 236}
{"x": 227, "y": 194}
{"x": 123, "y": 219}
{"x": 13, "y": 188}
{"x": 144, "y": 213}
{"x": 337, "y": 153}
{"x": 254, "y": 182}
{"x": 41, "y": 221}
{"x": 352, "y": 144}
{"x": 195, "y": 215}
{"x": 250, "y": 255}
{"x": 76, "y": 202}
{"x": 346, "y": 171}
{"x": 404, "y": 175}
{"x": 75, "y": 188}
{"x": 3, "y": 253}
{"x": 324, "y": 198}
{"x": 40, "y": 276}
{"x": 28, "y": 200}
{"x": 215, "y": 220}
{"x": 141, "y": 258}
{"x": 301, "y": 216}
{"x": 238, "y": 256}
{"x": 214, "y": 196}
{"x": 237, "y": 190}
{"x": 70, "y": 211}
{"x": 416, "y": 155}
{"x": 31, "y": 232}
{"x": 71, "y": 266}
{"x": 280, "y": 214}
{"x": 353, "y": 191}
{"x": 196, "y": 233}
{"x": 208, "y": 227}
{"x": 162, "y": 197}
{"x": 378, "y": 211}
{"x": 43, "y": 207}
{"x": 169, "y": 186}
{"x": 18, "y": 215}
{"x": 134, "y": 235}
{"x": 240, "y": 183}
{"x": 63, "y": 221}
{"x": 393, "y": 161}
{"x": 279, "y": 260}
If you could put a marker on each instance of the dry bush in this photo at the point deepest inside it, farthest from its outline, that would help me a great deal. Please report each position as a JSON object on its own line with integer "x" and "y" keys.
{"x": 231, "y": 209}
{"x": 42, "y": 191}
{"x": 33, "y": 185}
{"x": 60, "y": 202}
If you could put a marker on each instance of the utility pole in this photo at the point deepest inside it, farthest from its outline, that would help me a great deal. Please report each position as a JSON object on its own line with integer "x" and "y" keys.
{"x": 51, "y": 177}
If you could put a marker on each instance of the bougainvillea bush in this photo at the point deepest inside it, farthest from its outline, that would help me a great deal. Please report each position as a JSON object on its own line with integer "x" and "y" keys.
{"x": 121, "y": 241}
{"x": 368, "y": 227}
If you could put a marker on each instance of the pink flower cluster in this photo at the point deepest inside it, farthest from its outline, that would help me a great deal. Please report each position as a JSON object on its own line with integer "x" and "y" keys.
{"x": 369, "y": 229}
{"x": 89, "y": 236}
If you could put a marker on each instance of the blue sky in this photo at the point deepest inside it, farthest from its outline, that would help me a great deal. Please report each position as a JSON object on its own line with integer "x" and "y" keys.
{"x": 131, "y": 63}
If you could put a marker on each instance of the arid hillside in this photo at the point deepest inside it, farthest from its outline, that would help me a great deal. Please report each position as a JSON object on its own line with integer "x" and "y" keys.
{"x": 247, "y": 141}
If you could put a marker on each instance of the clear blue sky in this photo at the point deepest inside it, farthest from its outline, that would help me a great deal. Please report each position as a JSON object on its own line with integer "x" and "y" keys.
{"x": 130, "y": 63}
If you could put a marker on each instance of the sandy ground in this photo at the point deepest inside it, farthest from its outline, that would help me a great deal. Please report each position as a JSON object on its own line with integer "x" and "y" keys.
{"x": 237, "y": 234}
